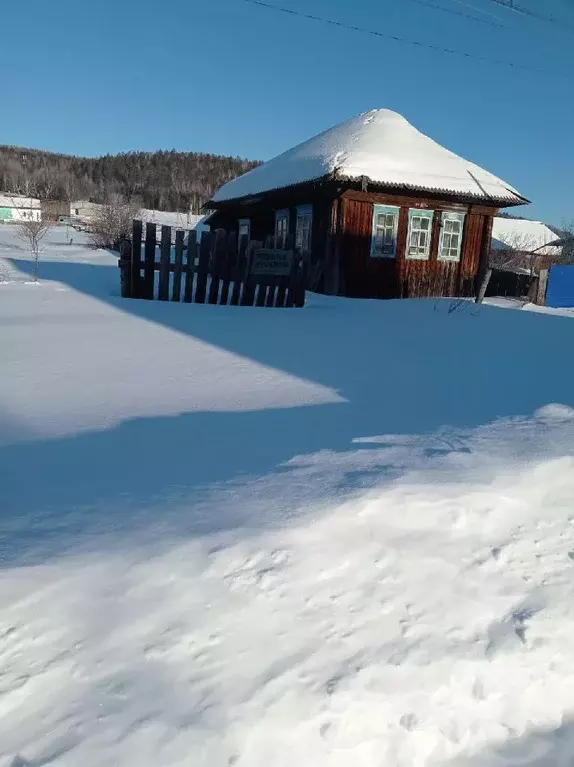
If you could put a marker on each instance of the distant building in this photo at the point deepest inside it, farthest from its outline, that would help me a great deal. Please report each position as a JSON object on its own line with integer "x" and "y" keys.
{"x": 520, "y": 249}
{"x": 83, "y": 210}
{"x": 15, "y": 207}
{"x": 55, "y": 209}
{"x": 378, "y": 209}
{"x": 523, "y": 240}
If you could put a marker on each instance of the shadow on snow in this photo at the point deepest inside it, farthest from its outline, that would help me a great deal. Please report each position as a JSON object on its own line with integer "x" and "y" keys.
{"x": 402, "y": 367}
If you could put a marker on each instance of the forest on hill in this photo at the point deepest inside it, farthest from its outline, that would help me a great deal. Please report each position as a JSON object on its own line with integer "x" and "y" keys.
{"x": 162, "y": 180}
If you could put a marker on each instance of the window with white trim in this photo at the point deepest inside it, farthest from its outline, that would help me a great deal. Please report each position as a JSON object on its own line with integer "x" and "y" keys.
{"x": 243, "y": 229}
{"x": 281, "y": 228}
{"x": 384, "y": 235}
{"x": 303, "y": 228}
{"x": 420, "y": 233}
{"x": 450, "y": 245}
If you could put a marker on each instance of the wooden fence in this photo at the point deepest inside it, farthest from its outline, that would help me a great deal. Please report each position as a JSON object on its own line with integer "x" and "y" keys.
{"x": 217, "y": 269}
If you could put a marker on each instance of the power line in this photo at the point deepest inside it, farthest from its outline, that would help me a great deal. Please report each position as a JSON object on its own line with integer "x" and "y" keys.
{"x": 398, "y": 39}
{"x": 458, "y": 13}
{"x": 511, "y": 5}
{"x": 477, "y": 9}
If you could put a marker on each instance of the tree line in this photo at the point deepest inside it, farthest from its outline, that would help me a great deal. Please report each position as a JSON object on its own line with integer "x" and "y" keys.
{"x": 162, "y": 180}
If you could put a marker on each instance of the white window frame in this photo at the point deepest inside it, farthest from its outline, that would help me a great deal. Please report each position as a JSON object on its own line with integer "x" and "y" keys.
{"x": 450, "y": 216}
{"x": 281, "y": 214}
{"x": 304, "y": 212}
{"x": 384, "y": 210}
{"x": 243, "y": 222}
{"x": 422, "y": 214}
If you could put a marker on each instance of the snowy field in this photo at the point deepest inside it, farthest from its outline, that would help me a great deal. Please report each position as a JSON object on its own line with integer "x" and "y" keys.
{"x": 334, "y": 537}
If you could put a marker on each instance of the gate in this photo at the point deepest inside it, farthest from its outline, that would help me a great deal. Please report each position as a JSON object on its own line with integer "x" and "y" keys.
{"x": 560, "y": 290}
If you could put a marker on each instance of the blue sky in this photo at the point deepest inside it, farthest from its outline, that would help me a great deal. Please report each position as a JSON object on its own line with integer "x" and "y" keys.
{"x": 228, "y": 77}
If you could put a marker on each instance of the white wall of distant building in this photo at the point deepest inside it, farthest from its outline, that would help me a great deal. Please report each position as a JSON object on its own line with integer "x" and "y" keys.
{"x": 15, "y": 208}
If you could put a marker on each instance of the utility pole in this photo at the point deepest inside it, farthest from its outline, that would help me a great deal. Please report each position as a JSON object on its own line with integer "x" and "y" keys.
{"x": 26, "y": 180}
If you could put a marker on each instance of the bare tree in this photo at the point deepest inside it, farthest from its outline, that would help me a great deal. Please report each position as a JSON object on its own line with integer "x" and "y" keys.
{"x": 522, "y": 252}
{"x": 567, "y": 244}
{"x": 31, "y": 232}
{"x": 112, "y": 222}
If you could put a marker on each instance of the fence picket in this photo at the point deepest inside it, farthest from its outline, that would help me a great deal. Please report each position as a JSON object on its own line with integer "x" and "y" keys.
{"x": 229, "y": 268}
{"x": 282, "y": 285}
{"x": 202, "y": 269}
{"x": 217, "y": 266}
{"x": 270, "y": 298}
{"x": 149, "y": 262}
{"x": 177, "y": 269}
{"x": 165, "y": 258}
{"x": 240, "y": 271}
{"x": 262, "y": 283}
{"x": 249, "y": 284}
{"x": 136, "y": 260}
{"x": 190, "y": 265}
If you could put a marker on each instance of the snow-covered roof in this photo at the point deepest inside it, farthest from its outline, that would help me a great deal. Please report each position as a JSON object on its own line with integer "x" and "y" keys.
{"x": 523, "y": 235}
{"x": 174, "y": 219}
{"x": 18, "y": 201}
{"x": 85, "y": 204}
{"x": 383, "y": 146}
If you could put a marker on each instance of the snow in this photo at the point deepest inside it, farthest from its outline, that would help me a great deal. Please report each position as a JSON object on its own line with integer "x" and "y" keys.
{"x": 334, "y": 536}
{"x": 383, "y": 146}
{"x": 522, "y": 234}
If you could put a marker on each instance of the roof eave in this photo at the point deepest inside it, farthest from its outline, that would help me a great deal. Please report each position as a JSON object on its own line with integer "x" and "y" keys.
{"x": 499, "y": 202}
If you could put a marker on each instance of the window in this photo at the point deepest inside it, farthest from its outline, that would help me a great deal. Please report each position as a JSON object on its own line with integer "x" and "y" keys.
{"x": 303, "y": 228}
{"x": 451, "y": 236}
{"x": 281, "y": 228}
{"x": 243, "y": 229}
{"x": 384, "y": 236}
{"x": 420, "y": 233}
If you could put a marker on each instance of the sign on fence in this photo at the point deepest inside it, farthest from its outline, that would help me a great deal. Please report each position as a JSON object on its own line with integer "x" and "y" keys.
{"x": 272, "y": 262}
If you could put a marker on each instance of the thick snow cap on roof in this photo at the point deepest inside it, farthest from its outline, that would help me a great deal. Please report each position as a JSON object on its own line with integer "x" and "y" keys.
{"x": 383, "y": 146}
{"x": 524, "y": 235}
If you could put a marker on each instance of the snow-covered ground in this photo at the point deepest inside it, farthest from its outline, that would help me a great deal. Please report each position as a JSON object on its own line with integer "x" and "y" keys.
{"x": 338, "y": 536}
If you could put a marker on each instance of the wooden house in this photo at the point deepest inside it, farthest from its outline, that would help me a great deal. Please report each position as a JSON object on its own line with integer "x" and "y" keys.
{"x": 379, "y": 209}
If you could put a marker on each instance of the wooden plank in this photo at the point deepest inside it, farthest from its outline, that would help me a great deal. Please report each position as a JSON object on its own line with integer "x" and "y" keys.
{"x": 271, "y": 290}
{"x": 228, "y": 267}
{"x": 203, "y": 266}
{"x": 424, "y": 201}
{"x": 484, "y": 271}
{"x": 190, "y": 266}
{"x": 177, "y": 266}
{"x": 240, "y": 271}
{"x": 291, "y": 297}
{"x": 542, "y": 287}
{"x": 262, "y": 283}
{"x": 217, "y": 261}
{"x": 149, "y": 264}
{"x": 282, "y": 286}
{"x": 165, "y": 258}
{"x": 300, "y": 286}
{"x": 249, "y": 284}
{"x": 136, "y": 260}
